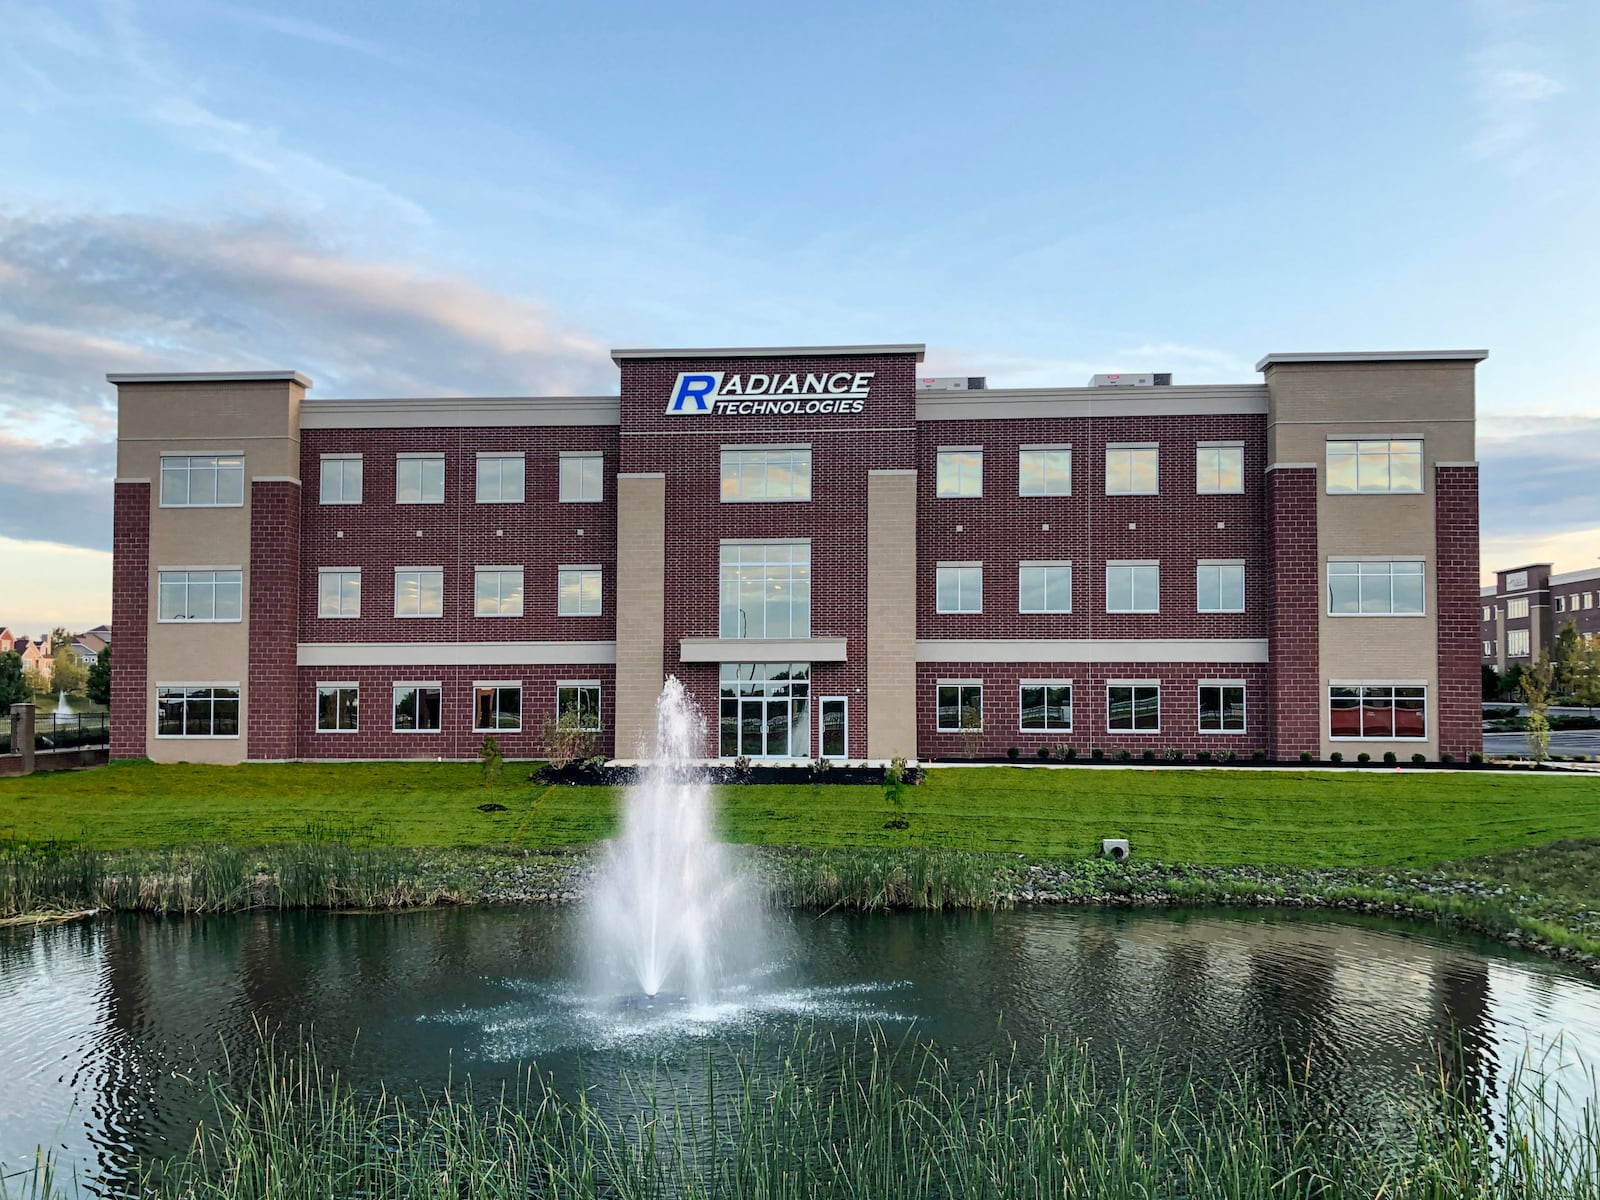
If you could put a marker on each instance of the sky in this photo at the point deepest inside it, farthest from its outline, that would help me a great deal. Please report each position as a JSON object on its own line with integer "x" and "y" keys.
{"x": 407, "y": 198}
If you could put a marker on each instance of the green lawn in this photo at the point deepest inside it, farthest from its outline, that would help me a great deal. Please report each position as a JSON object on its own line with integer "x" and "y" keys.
{"x": 1225, "y": 817}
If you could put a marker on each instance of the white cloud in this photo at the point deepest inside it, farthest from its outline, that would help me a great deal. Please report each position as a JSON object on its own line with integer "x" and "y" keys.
{"x": 1513, "y": 81}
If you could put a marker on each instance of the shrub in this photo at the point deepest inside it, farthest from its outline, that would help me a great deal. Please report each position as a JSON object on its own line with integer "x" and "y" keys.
{"x": 1043, "y": 752}
{"x": 1203, "y": 756}
{"x": 1475, "y": 757}
{"x": 1258, "y": 755}
{"x": 1419, "y": 759}
{"x": 1447, "y": 758}
{"x": 741, "y": 765}
{"x": 819, "y": 766}
{"x": 894, "y": 791}
{"x": 1173, "y": 754}
{"x": 1390, "y": 757}
{"x": 1124, "y": 754}
{"x": 1306, "y": 756}
{"x": 1071, "y": 753}
{"x": 1363, "y": 757}
{"x": 1097, "y": 754}
{"x": 1230, "y": 756}
{"x": 1013, "y": 753}
{"x": 566, "y": 741}
{"x": 1149, "y": 755}
{"x": 1336, "y": 757}
{"x": 1580, "y": 758}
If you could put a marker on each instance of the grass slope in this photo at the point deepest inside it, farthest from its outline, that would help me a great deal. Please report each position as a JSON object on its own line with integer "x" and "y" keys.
{"x": 1379, "y": 818}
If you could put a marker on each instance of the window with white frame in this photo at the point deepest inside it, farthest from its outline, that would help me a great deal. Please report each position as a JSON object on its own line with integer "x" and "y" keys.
{"x": 1045, "y": 706}
{"x": 497, "y": 707}
{"x": 501, "y": 476}
{"x": 960, "y": 471}
{"x": 1044, "y": 587}
{"x": 1219, "y": 468}
{"x": 1133, "y": 469}
{"x": 1488, "y": 649}
{"x": 339, "y": 592}
{"x": 419, "y": 479}
{"x": 958, "y": 587}
{"x": 1044, "y": 471}
{"x": 959, "y": 705}
{"x": 338, "y": 708}
{"x": 1133, "y": 587}
{"x": 1516, "y": 608}
{"x": 497, "y": 591}
{"x": 1374, "y": 466}
{"x": 582, "y": 477}
{"x": 197, "y": 710}
{"x": 419, "y": 591}
{"x": 764, "y": 589}
{"x": 1486, "y": 613}
{"x": 202, "y": 480}
{"x": 417, "y": 708}
{"x": 1219, "y": 586}
{"x": 1383, "y": 711}
{"x": 1518, "y": 644}
{"x": 765, "y": 473}
{"x": 1222, "y": 707}
{"x": 204, "y": 594}
{"x": 341, "y": 479}
{"x": 578, "y": 592}
{"x": 1133, "y": 707}
{"x": 1561, "y": 604}
{"x": 1390, "y": 588}
{"x": 1588, "y": 599}
{"x": 579, "y": 704}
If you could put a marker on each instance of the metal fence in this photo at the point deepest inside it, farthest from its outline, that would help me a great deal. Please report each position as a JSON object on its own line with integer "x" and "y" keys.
{"x": 51, "y": 732}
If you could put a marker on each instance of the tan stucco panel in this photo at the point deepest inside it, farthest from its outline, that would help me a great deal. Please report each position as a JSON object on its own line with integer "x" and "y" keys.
{"x": 641, "y": 609}
{"x": 891, "y": 614}
{"x": 260, "y": 419}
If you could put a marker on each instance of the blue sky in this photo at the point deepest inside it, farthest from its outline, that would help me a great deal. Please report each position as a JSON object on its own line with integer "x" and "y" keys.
{"x": 408, "y": 198}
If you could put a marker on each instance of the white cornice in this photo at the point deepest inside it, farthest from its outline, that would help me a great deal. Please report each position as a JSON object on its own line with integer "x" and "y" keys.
{"x": 1021, "y": 404}
{"x": 463, "y": 412}
{"x": 214, "y": 377}
{"x": 1374, "y": 356}
{"x": 1092, "y": 650}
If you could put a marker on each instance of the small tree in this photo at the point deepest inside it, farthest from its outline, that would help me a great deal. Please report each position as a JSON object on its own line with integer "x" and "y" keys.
{"x": 1569, "y": 649}
{"x": 490, "y": 759}
{"x": 1537, "y": 681}
{"x": 971, "y": 731}
{"x": 1586, "y": 686}
{"x": 13, "y": 685}
{"x": 1491, "y": 682}
{"x": 67, "y": 672}
{"x": 35, "y": 679}
{"x": 566, "y": 740}
{"x": 99, "y": 686}
{"x": 894, "y": 791}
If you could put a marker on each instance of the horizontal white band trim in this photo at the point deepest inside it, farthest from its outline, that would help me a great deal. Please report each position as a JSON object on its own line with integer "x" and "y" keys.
{"x": 823, "y": 649}
{"x": 452, "y": 654}
{"x": 451, "y": 413}
{"x": 213, "y": 377}
{"x": 641, "y": 474}
{"x": 1219, "y": 562}
{"x": 1455, "y": 464}
{"x": 1022, "y": 404}
{"x": 345, "y": 456}
{"x": 766, "y": 446}
{"x": 1291, "y": 466}
{"x": 275, "y": 479}
{"x": 1222, "y": 683}
{"x": 1092, "y": 650}
{"x": 1374, "y": 356}
{"x": 1111, "y": 683}
{"x": 131, "y": 479}
{"x": 894, "y": 471}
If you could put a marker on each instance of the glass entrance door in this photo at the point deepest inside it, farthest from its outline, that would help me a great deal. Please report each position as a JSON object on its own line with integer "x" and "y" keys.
{"x": 765, "y": 710}
{"x": 833, "y": 730}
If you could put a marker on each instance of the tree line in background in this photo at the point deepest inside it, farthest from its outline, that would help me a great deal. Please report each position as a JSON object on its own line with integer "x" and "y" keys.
{"x": 1569, "y": 675}
{"x": 21, "y": 684}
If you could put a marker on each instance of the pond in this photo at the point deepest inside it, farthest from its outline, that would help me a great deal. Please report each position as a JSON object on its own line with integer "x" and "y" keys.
{"x": 105, "y": 1023}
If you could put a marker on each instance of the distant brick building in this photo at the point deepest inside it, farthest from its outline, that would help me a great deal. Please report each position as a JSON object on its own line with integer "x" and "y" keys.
{"x": 1528, "y": 606}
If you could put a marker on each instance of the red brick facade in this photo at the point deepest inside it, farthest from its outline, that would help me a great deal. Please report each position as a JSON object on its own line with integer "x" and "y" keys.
{"x": 130, "y": 618}
{"x": 1458, "y": 708}
{"x": 274, "y": 617}
{"x": 1293, "y": 612}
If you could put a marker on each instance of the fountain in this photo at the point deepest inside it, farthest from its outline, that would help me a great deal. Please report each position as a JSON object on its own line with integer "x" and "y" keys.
{"x": 671, "y": 916}
{"x": 63, "y": 709}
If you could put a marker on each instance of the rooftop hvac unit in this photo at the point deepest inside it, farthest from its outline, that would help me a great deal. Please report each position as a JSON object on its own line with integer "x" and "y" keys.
{"x": 1133, "y": 379}
{"x": 952, "y": 383}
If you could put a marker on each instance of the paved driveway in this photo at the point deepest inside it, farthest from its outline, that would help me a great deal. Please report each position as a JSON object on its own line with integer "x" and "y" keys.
{"x": 1585, "y": 741}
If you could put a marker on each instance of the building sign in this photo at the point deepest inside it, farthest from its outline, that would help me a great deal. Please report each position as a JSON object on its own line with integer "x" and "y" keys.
{"x": 742, "y": 393}
{"x": 1516, "y": 581}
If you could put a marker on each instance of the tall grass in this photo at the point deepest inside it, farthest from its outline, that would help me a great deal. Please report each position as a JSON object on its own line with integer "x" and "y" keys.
{"x": 873, "y": 879}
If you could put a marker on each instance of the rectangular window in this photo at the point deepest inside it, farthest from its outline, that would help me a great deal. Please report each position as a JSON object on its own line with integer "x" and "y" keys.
{"x": 764, "y": 710}
{"x": 1374, "y": 466}
{"x": 1488, "y": 649}
{"x": 960, "y": 705}
{"x": 1517, "y": 643}
{"x": 1046, "y": 707}
{"x": 1044, "y": 587}
{"x": 416, "y": 708}
{"x": 1375, "y": 588}
{"x": 1561, "y": 604}
{"x": 1222, "y": 708}
{"x": 1044, "y": 471}
{"x": 958, "y": 587}
{"x": 197, "y": 711}
{"x": 419, "y": 479}
{"x": 497, "y": 708}
{"x": 765, "y": 590}
{"x": 339, "y": 592}
{"x": 1486, "y": 613}
{"x": 497, "y": 592}
{"x": 583, "y": 478}
{"x": 200, "y": 595}
{"x": 1133, "y": 587}
{"x": 1384, "y": 711}
{"x": 960, "y": 471}
{"x": 766, "y": 473}
{"x": 578, "y": 592}
{"x": 579, "y": 703}
{"x": 1133, "y": 469}
{"x": 1588, "y": 599}
{"x": 500, "y": 478}
{"x": 1133, "y": 707}
{"x": 1516, "y": 608}
{"x": 341, "y": 479}
{"x": 337, "y": 708}
{"x": 1219, "y": 468}
{"x": 202, "y": 480}
{"x": 1219, "y": 587}
{"x": 419, "y": 591}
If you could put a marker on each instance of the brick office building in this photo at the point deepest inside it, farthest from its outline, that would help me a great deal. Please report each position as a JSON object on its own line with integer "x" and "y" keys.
{"x": 1527, "y": 607}
{"x": 834, "y": 560}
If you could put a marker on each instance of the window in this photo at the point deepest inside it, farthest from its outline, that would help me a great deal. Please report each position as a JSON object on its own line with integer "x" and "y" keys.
{"x": 1219, "y": 586}
{"x": 497, "y": 708}
{"x": 339, "y": 592}
{"x": 764, "y": 710}
{"x": 418, "y": 592}
{"x": 203, "y": 595}
{"x": 1375, "y": 588}
{"x": 1133, "y": 587}
{"x": 1384, "y": 710}
{"x": 765, "y": 590}
{"x": 1133, "y": 470}
{"x": 419, "y": 479}
{"x": 1561, "y": 604}
{"x": 1044, "y": 587}
{"x": 500, "y": 479}
{"x": 1486, "y": 614}
{"x": 583, "y": 479}
{"x": 197, "y": 710}
{"x": 960, "y": 705}
{"x": 1222, "y": 708}
{"x": 1488, "y": 649}
{"x": 958, "y": 587}
{"x": 580, "y": 704}
{"x": 1133, "y": 707}
{"x": 1046, "y": 707}
{"x": 1517, "y": 643}
{"x": 1588, "y": 600}
{"x": 341, "y": 479}
{"x": 202, "y": 481}
{"x": 1044, "y": 471}
{"x": 1219, "y": 468}
{"x": 497, "y": 592}
{"x": 416, "y": 708}
{"x": 578, "y": 591}
{"x": 960, "y": 472}
{"x": 1374, "y": 466}
{"x": 1516, "y": 608}
{"x": 337, "y": 707}
{"x": 766, "y": 473}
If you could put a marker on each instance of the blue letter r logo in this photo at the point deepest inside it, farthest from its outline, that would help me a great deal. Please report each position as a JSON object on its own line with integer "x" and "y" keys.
{"x": 695, "y": 392}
